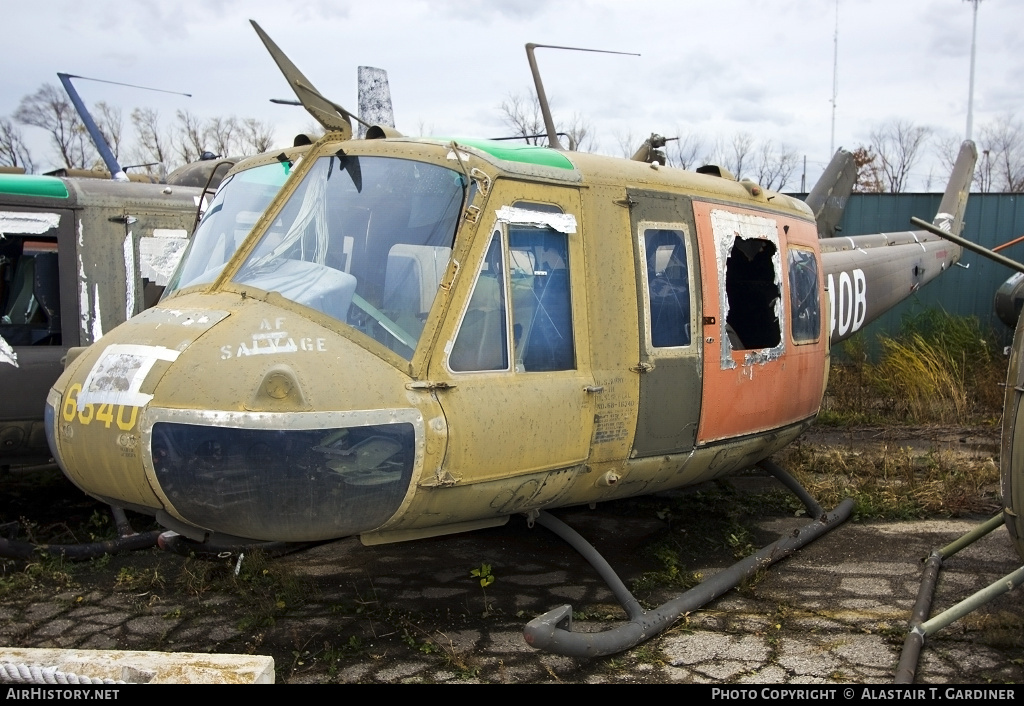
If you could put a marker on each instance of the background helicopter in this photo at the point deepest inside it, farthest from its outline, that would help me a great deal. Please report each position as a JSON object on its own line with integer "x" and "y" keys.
{"x": 426, "y": 336}
{"x": 78, "y": 256}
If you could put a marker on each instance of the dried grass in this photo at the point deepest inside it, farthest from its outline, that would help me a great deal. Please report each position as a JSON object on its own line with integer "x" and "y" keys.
{"x": 896, "y": 482}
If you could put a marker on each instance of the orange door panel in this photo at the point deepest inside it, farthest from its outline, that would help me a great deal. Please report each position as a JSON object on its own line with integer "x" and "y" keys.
{"x": 757, "y": 377}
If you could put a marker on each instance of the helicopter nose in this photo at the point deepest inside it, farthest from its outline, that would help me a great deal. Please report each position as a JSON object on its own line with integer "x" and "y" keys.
{"x": 270, "y": 451}
{"x": 286, "y": 477}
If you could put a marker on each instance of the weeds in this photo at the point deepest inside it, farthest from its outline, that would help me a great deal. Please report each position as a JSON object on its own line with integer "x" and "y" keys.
{"x": 134, "y": 579}
{"x": 333, "y": 656}
{"x": 483, "y": 572}
{"x": 942, "y": 368}
{"x": 44, "y": 570}
{"x": 673, "y": 573}
{"x": 1001, "y": 629}
{"x": 266, "y": 588}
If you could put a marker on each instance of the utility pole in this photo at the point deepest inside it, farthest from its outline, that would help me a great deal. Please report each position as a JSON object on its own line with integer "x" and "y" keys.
{"x": 835, "y": 80}
{"x": 970, "y": 90}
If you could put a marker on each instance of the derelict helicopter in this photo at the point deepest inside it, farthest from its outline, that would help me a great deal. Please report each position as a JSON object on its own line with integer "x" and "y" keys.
{"x": 427, "y": 336}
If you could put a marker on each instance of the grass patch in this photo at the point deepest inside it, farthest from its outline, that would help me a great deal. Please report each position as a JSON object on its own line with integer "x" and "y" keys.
{"x": 1001, "y": 629}
{"x": 20, "y": 577}
{"x": 895, "y": 483}
{"x": 266, "y": 588}
{"x": 713, "y": 521}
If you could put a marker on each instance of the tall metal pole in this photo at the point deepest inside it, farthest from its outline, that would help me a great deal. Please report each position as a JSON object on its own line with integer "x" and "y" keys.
{"x": 835, "y": 80}
{"x": 970, "y": 90}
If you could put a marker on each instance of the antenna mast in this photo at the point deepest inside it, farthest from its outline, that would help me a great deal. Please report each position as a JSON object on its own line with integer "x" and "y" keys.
{"x": 549, "y": 122}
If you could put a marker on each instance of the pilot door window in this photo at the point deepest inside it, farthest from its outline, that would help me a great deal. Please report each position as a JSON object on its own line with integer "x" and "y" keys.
{"x": 535, "y": 278}
{"x": 29, "y": 292}
{"x": 668, "y": 287}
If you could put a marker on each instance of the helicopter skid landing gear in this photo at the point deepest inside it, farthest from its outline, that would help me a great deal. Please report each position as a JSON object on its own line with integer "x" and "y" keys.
{"x": 552, "y": 631}
{"x": 920, "y": 625}
{"x": 127, "y": 540}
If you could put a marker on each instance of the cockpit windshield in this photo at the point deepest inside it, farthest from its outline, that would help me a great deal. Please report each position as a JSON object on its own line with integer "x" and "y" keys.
{"x": 240, "y": 200}
{"x": 365, "y": 240}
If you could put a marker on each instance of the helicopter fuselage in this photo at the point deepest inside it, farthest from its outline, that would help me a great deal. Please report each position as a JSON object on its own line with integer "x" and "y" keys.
{"x": 425, "y": 336}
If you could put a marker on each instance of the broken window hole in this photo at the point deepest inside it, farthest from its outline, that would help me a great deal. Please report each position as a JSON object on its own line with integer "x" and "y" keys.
{"x": 753, "y": 292}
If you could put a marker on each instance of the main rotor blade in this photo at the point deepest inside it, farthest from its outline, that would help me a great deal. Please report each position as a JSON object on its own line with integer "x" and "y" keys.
{"x": 323, "y": 111}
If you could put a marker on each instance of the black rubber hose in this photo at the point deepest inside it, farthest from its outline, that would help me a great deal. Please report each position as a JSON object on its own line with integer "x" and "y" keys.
{"x": 13, "y": 549}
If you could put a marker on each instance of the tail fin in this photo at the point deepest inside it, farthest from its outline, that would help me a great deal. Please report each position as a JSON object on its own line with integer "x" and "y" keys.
{"x": 950, "y": 217}
{"x": 374, "y": 98}
{"x": 828, "y": 197}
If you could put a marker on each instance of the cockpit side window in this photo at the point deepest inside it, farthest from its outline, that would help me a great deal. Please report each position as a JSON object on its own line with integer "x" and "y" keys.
{"x": 239, "y": 201}
{"x": 482, "y": 341}
{"x": 538, "y": 206}
{"x": 753, "y": 292}
{"x": 541, "y": 299}
{"x": 804, "y": 302}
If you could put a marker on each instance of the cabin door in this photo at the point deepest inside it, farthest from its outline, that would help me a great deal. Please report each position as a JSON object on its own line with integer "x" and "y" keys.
{"x": 764, "y": 351}
{"x": 667, "y": 271}
{"x": 521, "y": 395}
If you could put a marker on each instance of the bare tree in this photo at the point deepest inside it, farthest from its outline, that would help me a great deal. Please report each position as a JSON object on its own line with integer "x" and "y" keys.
{"x": 50, "y": 109}
{"x": 256, "y": 136}
{"x": 152, "y": 142}
{"x": 1002, "y": 144}
{"x": 775, "y": 166}
{"x": 734, "y": 155}
{"x": 580, "y": 133}
{"x": 983, "y": 173}
{"x": 222, "y": 134}
{"x": 523, "y": 116}
{"x": 684, "y": 151}
{"x": 627, "y": 142}
{"x": 188, "y": 138}
{"x": 869, "y": 179}
{"x": 111, "y": 124}
{"x": 422, "y": 129}
{"x": 13, "y": 152}
{"x": 898, "y": 145}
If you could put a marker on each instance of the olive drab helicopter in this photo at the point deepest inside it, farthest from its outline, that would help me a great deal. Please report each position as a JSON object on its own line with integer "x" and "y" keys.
{"x": 427, "y": 336}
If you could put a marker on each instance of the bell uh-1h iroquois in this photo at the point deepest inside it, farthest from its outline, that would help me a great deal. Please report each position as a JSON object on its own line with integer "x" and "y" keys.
{"x": 426, "y": 336}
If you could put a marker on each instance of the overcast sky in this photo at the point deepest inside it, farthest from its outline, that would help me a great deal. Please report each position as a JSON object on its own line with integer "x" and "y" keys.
{"x": 712, "y": 67}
